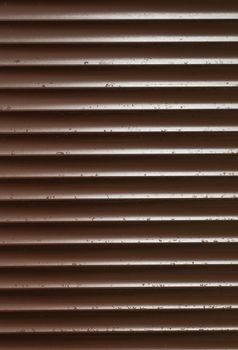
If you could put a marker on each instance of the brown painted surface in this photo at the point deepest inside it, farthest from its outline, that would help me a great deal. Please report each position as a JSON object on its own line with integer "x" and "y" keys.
{"x": 118, "y": 175}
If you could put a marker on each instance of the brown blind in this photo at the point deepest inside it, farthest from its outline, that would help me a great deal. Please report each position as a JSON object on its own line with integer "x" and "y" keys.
{"x": 118, "y": 175}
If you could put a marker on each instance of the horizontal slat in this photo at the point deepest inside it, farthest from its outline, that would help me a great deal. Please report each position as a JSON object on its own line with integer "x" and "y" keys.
{"x": 121, "y": 299}
{"x": 125, "y": 321}
{"x": 120, "y": 255}
{"x": 116, "y": 54}
{"x": 118, "y": 77}
{"x": 118, "y": 166}
{"x": 46, "y": 234}
{"x": 118, "y": 144}
{"x": 118, "y": 277}
{"x": 73, "y": 10}
{"x": 173, "y": 341}
{"x": 118, "y": 32}
{"x": 134, "y": 99}
{"x": 115, "y": 188}
{"x": 118, "y": 121}
{"x": 116, "y": 210}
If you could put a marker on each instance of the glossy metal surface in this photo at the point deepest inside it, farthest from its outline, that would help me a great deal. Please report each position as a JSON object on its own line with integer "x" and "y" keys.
{"x": 118, "y": 175}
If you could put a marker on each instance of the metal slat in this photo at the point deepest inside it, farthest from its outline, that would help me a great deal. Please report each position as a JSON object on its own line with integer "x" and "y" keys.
{"x": 118, "y": 277}
{"x": 110, "y": 233}
{"x": 117, "y": 121}
{"x": 118, "y": 77}
{"x": 73, "y": 10}
{"x": 118, "y": 54}
{"x": 119, "y": 144}
{"x": 119, "y": 299}
{"x": 122, "y": 32}
{"x": 134, "y": 188}
{"x": 124, "y": 322}
{"x": 179, "y": 340}
{"x": 115, "y": 210}
{"x": 120, "y": 255}
{"x": 97, "y": 99}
